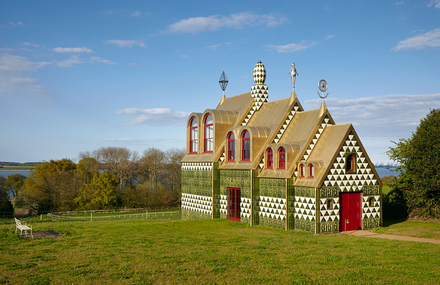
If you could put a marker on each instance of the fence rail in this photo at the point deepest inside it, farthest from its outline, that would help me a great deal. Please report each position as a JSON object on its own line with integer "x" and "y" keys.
{"x": 146, "y": 215}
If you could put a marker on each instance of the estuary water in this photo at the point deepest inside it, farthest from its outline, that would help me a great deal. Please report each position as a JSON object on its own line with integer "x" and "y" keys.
{"x": 5, "y": 173}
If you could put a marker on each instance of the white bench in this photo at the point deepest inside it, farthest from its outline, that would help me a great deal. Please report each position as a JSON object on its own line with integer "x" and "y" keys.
{"x": 22, "y": 228}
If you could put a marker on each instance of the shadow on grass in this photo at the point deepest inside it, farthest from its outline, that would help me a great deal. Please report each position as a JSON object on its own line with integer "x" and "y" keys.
{"x": 387, "y": 223}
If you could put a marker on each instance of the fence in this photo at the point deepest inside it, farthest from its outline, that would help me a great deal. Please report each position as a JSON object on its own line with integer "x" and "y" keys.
{"x": 174, "y": 215}
{"x": 99, "y": 215}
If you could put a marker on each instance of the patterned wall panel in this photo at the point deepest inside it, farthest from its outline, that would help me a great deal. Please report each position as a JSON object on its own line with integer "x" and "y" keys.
{"x": 305, "y": 208}
{"x": 272, "y": 211}
{"x": 290, "y": 204}
{"x": 196, "y": 191}
{"x": 197, "y": 203}
{"x": 236, "y": 179}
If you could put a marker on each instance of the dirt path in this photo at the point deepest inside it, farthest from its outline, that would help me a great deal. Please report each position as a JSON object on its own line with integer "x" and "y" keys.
{"x": 369, "y": 234}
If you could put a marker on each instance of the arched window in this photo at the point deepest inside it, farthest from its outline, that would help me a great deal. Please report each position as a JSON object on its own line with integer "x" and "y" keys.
{"x": 231, "y": 147}
{"x": 269, "y": 156}
{"x": 246, "y": 146}
{"x": 329, "y": 204}
{"x": 281, "y": 158}
{"x": 301, "y": 170}
{"x": 349, "y": 163}
{"x": 209, "y": 133}
{"x": 311, "y": 171}
{"x": 193, "y": 135}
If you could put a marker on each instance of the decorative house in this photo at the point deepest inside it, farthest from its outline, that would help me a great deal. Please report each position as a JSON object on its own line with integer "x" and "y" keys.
{"x": 272, "y": 163}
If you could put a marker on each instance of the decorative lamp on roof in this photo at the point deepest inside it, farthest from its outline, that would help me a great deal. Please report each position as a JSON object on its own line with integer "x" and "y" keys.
{"x": 259, "y": 73}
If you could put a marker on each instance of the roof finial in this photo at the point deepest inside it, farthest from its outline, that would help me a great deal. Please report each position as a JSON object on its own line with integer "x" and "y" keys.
{"x": 223, "y": 81}
{"x": 293, "y": 73}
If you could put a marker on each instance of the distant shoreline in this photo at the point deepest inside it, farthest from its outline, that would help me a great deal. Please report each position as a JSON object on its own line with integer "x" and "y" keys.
{"x": 15, "y": 169}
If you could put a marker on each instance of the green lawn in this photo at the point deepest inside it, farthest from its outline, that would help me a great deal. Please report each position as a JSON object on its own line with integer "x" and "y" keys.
{"x": 386, "y": 189}
{"x": 208, "y": 252}
{"x": 411, "y": 228}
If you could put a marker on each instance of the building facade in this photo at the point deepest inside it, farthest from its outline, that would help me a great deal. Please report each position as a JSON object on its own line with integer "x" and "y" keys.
{"x": 273, "y": 163}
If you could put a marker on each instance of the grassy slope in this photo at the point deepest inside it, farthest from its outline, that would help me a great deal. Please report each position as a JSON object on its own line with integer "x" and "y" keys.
{"x": 412, "y": 228}
{"x": 211, "y": 251}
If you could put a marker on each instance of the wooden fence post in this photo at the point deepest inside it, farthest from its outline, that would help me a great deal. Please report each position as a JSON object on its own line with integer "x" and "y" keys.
{"x": 91, "y": 216}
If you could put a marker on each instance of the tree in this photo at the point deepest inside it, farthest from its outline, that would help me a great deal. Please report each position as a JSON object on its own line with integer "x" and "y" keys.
{"x": 6, "y": 208}
{"x": 419, "y": 158}
{"x": 51, "y": 186}
{"x": 87, "y": 168}
{"x": 119, "y": 162}
{"x": 99, "y": 194}
{"x": 151, "y": 164}
{"x": 14, "y": 184}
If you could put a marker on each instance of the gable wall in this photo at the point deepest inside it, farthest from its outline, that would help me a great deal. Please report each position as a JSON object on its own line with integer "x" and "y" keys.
{"x": 338, "y": 180}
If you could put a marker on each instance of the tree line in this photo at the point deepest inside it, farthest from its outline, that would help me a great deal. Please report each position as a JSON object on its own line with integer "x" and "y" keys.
{"x": 106, "y": 178}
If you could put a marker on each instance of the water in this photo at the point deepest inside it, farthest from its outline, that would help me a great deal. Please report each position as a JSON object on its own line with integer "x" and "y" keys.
{"x": 386, "y": 172}
{"x": 5, "y": 173}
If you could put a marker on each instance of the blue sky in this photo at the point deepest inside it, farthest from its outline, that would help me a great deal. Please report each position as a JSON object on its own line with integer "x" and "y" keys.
{"x": 76, "y": 76}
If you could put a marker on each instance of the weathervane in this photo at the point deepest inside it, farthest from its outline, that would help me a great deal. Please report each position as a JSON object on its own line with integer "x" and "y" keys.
{"x": 322, "y": 85}
{"x": 223, "y": 81}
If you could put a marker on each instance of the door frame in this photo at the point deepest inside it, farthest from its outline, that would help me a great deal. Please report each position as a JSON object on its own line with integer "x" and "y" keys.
{"x": 350, "y": 208}
{"x": 234, "y": 199}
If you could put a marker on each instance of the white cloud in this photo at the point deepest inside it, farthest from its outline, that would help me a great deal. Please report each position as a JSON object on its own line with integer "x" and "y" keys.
{"x": 329, "y": 37}
{"x": 399, "y": 3}
{"x": 126, "y": 43}
{"x": 155, "y": 116}
{"x": 135, "y": 14}
{"x": 234, "y": 21}
{"x": 435, "y": 3}
{"x": 102, "y": 60}
{"x": 421, "y": 41}
{"x": 13, "y": 79}
{"x": 394, "y": 116}
{"x": 214, "y": 46}
{"x": 291, "y": 47}
{"x": 185, "y": 56}
{"x": 70, "y": 62}
{"x": 72, "y": 50}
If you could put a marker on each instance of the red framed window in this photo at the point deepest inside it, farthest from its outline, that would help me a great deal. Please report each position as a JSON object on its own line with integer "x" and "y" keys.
{"x": 209, "y": 133}
{"x": 281, "y": 158}
{"x": 301, "y": 170}
{"x": 193, "y": 135}
{"x": 311, "y": 171}
{"x": 269, "y": 156}
{"x": 350, "y": 163}
{"x": 231, "y": 147}
{"x": 246, "y": 146}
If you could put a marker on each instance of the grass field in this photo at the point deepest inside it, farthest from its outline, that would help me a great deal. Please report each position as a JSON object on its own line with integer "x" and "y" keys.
{"x": 208, "y": 252}
{"x": 17, "y": 167}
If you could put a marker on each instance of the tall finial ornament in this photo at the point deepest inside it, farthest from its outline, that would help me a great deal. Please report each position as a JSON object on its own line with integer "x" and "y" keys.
{"x": 223, "y": 81}
{"x": 322, "y": 85}
{"x": 293, "y": 73}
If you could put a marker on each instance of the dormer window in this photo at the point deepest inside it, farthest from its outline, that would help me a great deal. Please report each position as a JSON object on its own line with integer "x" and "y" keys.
{"x": 349, "y": 163}
{"x": 301, "y": 170}
{"x": 269, "y": 156}
{"x": 209, "y": 133}
{"x": 231, "y": 147}
{"x": 281, "y": 158}
{"x": 193, "y": 135}
{"x": 246, "y": 146}
{"x": 311, "y": 171}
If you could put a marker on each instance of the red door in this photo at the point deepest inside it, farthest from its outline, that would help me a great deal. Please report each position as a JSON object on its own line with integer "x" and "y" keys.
{"x": 234, "y": 204}
{"x": 350, "y": 211}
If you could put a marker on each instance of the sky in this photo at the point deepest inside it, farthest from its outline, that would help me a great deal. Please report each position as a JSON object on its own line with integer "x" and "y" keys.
{"x": 76, "y": 76}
